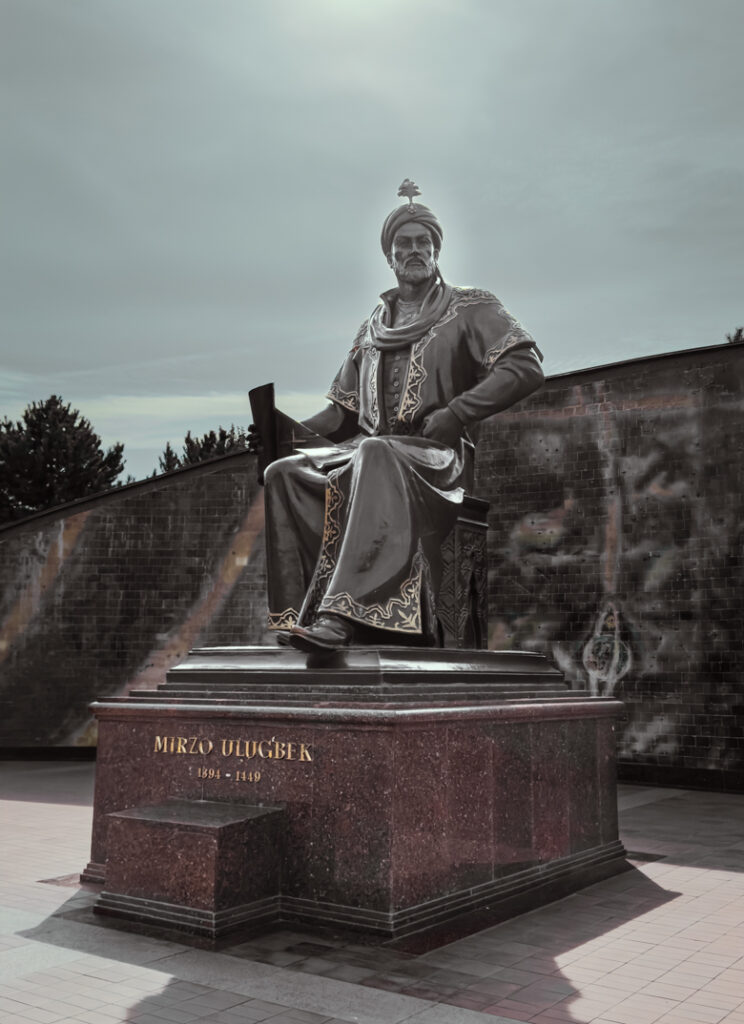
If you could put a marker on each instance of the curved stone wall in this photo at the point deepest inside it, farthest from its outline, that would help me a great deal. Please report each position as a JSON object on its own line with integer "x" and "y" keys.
{"x": 616, "y": 537}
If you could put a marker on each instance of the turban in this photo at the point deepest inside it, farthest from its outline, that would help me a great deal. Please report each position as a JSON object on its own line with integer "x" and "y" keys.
{"x": 419, "y": 213}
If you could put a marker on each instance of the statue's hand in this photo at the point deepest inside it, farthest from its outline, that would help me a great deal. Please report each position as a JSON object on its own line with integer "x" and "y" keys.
{"x": 253, "y": 439}
{"x": 442, "y": 425}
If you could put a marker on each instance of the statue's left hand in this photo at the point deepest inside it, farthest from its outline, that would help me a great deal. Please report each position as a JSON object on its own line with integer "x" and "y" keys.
{"x": 442, "y": 425}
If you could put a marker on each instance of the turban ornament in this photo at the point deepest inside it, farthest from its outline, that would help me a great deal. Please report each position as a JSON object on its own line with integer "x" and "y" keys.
{"x": 410, "y": 211}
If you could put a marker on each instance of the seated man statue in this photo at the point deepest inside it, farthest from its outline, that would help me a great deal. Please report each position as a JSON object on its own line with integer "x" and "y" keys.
{"x": 354, "y": 533}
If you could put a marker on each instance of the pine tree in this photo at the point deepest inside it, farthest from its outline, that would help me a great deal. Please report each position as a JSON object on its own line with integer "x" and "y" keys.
{"x": 168, "y": 461}
{"x": 208, "y": 446}
{"x": 50, "y": 456}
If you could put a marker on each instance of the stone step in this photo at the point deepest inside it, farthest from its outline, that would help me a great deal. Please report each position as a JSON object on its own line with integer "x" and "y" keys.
{"x": 315, "y": 695}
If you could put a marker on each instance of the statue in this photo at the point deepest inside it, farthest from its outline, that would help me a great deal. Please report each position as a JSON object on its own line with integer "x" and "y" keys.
{"x": 355, "y": 524}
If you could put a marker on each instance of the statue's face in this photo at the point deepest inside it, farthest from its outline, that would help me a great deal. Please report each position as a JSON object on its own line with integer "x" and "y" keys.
{"x": 413, "y": 257}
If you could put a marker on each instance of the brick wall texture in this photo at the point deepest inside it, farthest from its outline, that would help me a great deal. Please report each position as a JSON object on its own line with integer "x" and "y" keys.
{"x": 615, "y": 541}
{"x": 615, "y": 546}
{"x": 106, "y": 595}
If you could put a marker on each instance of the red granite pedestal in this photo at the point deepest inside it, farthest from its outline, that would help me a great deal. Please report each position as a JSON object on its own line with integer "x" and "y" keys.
{"x": 206, "y": 867}
{"x": 416, "y": 785}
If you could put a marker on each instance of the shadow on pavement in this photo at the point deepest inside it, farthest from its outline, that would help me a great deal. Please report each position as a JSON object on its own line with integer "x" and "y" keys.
{"x": 48, "y": 782}
{"x": 503, "y": 969}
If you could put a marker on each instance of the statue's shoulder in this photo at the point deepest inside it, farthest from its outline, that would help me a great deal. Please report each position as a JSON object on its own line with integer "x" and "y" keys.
{"x": 465, "y": 295}
{"x": 476, "y": 298}
{"x": 361, "y": 339}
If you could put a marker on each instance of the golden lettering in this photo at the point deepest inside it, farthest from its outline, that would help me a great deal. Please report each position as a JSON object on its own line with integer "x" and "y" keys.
{"x": 267, "y": 749}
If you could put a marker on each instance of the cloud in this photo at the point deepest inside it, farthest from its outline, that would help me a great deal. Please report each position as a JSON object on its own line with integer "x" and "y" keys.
{"x": 195, "y": 191}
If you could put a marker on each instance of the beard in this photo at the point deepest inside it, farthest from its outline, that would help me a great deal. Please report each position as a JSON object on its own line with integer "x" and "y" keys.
{"x": 414, "y": 269}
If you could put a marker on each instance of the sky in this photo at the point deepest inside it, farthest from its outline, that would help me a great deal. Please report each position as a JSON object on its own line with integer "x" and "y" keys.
{"x": 192, "y": 190}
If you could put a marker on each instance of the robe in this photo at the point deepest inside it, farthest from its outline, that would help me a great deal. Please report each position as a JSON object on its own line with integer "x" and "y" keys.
{"x": 357, "y": 530}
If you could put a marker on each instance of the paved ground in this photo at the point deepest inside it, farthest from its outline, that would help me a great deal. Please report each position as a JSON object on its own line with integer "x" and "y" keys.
{"x": 661, "y": 943}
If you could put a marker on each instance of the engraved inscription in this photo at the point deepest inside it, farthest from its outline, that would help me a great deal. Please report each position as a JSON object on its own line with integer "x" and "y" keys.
{"x": 271, "y": 749}
{"x": 183, "y": 745}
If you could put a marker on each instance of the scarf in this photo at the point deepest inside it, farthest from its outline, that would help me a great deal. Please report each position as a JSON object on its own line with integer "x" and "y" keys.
{"x": 386, "y": 338}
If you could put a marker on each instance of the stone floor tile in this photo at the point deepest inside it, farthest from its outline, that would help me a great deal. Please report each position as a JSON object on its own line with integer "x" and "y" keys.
{"x": 587, "y": 1004}
{"x": 111, "y": 1014}
{"x": 493, "y": 987}
{"x": 626, "y": 929}
{"x": 178, "y": 989}
{"x": 468, "y": 1002}
{"x": 462, "y": 964}
{"x": 621, "y": 983}
{"x": 300, "y": 1017}
{"x": 241, "y": 1014}
{"x": 640, "y": 1009}
{"x": 35, "y": 1013}
{"x": 145, "y": 1018}
{"x": 517, "y": 1006}
{"x": 10, "y": 1006}
{"x": 666, "y": 990}
{"x": 314, "y": 965}
{"x": 518, "y": 977}
{"x": 176, "y": 1013}
{"x": 583, "y": 976}
{"x": 499, "y": 1011}
{"x": 720, "y": 1000}
{"x": 258, "y": 1006}
{"x": 214, "y": 999}
{"x": 640, "y": 972}
{"x": 432, "y": 993}
{"x": 700, "y": 1014}
{"x": 539, "y": 965}
{"x": 722, "y": 985}
{"x": 539, "y": 994}
{"x": 441, "y": 1013}
{"x": 99, "y": 1017}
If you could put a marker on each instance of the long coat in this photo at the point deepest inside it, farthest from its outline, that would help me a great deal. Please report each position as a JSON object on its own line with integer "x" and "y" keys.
{"x": 357, "y": 531}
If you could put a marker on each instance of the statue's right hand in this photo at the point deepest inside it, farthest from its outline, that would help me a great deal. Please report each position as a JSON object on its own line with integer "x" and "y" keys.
{"x": 253, "y": 440}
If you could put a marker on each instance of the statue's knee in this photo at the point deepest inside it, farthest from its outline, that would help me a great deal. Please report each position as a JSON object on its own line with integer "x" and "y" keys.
{"x": 281, "y": 469}
{"x": 373, "y": 447}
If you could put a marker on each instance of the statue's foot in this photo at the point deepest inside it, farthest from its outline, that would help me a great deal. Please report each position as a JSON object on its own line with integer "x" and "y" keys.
{"x": 327, "y": 633}
{"x": 282, "y": 637}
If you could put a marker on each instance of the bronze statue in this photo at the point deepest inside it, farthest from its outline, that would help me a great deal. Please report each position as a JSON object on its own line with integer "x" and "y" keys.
{"x": 354, "y": 528}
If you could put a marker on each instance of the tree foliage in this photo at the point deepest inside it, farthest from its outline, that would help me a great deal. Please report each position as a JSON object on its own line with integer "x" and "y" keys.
{"x": 197, "y": 449}
{"x": 169, "y": 461}
{"x": 737, "y": 338}
{"x": 50, "y": 456}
